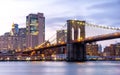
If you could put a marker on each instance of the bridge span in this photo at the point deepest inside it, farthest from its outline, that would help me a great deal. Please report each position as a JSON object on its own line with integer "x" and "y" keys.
{"x": 75, "y": 49}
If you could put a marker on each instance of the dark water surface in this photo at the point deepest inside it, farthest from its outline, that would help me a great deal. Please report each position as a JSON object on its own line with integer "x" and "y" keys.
{"x": 60, "y": 68}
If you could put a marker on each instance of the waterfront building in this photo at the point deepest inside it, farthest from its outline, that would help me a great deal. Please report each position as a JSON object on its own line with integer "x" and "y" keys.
{"x": 112, "y": 50}
{"x": 9, "y": 41}
{"x": 106, "y": 51}
{"x": 3, "y": 43}
{"x": 92, "y": 49}
{"x": 13, "y": 40}
{"x": 117, "y": 50}
{"x": 35, "y": 26}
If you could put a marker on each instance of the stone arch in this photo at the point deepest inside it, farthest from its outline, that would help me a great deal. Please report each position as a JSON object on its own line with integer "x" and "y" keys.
{"x": 72, "y": 34}
{"x": 79, "y": 29}
{"x": 75, "y": 51}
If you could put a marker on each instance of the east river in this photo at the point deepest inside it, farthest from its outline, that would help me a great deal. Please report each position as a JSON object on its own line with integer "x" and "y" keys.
{"x": 60, "y": 68}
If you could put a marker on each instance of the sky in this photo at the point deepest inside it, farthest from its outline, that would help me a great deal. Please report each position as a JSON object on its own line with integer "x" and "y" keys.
{"x": 56, "y": 12}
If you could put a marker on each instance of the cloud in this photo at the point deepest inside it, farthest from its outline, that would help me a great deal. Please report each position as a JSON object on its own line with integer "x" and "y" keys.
{"x": 111, "y": 4}
{"x": 106, "y": 13}
{"x": 101, "y": 12}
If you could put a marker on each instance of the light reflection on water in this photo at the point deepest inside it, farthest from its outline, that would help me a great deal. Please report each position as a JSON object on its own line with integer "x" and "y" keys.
{"x": 60, "y": 68}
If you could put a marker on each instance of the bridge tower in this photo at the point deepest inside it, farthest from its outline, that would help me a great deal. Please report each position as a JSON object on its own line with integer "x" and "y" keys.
{"x": 75, "y": 31}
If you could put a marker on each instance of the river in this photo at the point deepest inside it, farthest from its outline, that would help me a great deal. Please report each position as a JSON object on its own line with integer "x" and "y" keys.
{"x": 60, "y": 68}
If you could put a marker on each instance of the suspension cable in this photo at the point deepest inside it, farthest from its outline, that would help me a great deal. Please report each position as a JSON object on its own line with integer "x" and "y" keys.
{"x": 104, "y": 27}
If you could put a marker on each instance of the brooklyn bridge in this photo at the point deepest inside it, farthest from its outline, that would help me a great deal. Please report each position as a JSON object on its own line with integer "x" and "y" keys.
{"x": 74, "y": 47}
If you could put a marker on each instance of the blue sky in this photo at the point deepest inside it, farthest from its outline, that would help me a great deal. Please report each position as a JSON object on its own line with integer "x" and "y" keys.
{"x": 56, "y": 12}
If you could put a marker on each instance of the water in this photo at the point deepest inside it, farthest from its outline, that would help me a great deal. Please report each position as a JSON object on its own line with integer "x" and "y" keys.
{"x": 60, "y": 68}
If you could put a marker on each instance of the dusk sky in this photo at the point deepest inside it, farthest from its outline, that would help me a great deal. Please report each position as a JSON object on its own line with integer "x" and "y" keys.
{"x": 56, "y": 12}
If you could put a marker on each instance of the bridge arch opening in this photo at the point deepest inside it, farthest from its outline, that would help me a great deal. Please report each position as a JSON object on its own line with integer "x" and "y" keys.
{"x": 73, "y": 33}
{"x": 79, "y": 31}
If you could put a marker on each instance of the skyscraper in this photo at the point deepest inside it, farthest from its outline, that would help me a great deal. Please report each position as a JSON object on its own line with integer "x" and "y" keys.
{"x": 22, "y": 38}
{"x": 13, "y": 38}
{"x": 14, "y": 30}
{"x": 35, "y": 25}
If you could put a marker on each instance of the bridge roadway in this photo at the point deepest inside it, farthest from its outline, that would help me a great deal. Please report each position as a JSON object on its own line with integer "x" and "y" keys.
{"x": 86, "y": 40}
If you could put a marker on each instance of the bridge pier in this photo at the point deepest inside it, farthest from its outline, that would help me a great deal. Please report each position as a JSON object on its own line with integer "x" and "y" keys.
{"x": 75, "y": 51}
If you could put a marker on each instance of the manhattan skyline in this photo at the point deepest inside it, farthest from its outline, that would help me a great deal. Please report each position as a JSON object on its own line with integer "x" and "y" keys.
{"x": 58, "y": 11}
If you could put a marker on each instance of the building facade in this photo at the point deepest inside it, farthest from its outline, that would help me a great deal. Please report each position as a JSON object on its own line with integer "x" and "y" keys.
{"x": 92, "y": 49}
{"x": 35, "y": 25}
{"x": 61, "y": 36}
{"x": 112, "y": 50}
{"x": 13, "y": 40}
{"x": 14, "y": 30}
{"x": 10, "y": 40}
{"x": 117, "y": 50}
{"x": 22, "y": 39}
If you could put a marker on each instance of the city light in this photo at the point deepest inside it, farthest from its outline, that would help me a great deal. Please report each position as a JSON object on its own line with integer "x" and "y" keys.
{"x": 30, "y": 44}
{"x": 80, "y": 39}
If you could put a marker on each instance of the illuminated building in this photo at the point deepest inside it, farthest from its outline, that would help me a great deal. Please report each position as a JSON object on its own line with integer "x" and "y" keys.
{"x": 22, "y": 38}
{"x": 35, "y": 25}
{"x": 92, "y": 49}
{"x": 13, "y": 40}
{"x": 14, "y": 30}
{"x": 61, "y": 36}
{"x": 8, "y": 42}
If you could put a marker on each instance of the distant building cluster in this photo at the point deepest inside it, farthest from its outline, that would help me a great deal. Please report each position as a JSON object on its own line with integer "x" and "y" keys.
{"x": 19, "y": 39}
{"x": 22, "y": 38}
{"x": 112, "y": 50}
{"x": 93, "y": 49}
{"x": 109, "y": 52}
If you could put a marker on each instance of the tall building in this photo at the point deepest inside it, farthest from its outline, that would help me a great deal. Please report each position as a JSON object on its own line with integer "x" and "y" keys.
{"x": 61, "y": 36}
{"x": 14, "y": 37}
{"x": 22, "y": 38}
{"x": 14, "y": 30}
{"x": 35, "y": 25}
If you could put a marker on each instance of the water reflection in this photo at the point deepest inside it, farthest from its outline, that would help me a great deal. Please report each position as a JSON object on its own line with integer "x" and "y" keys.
{"x": 60, "y": 68}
